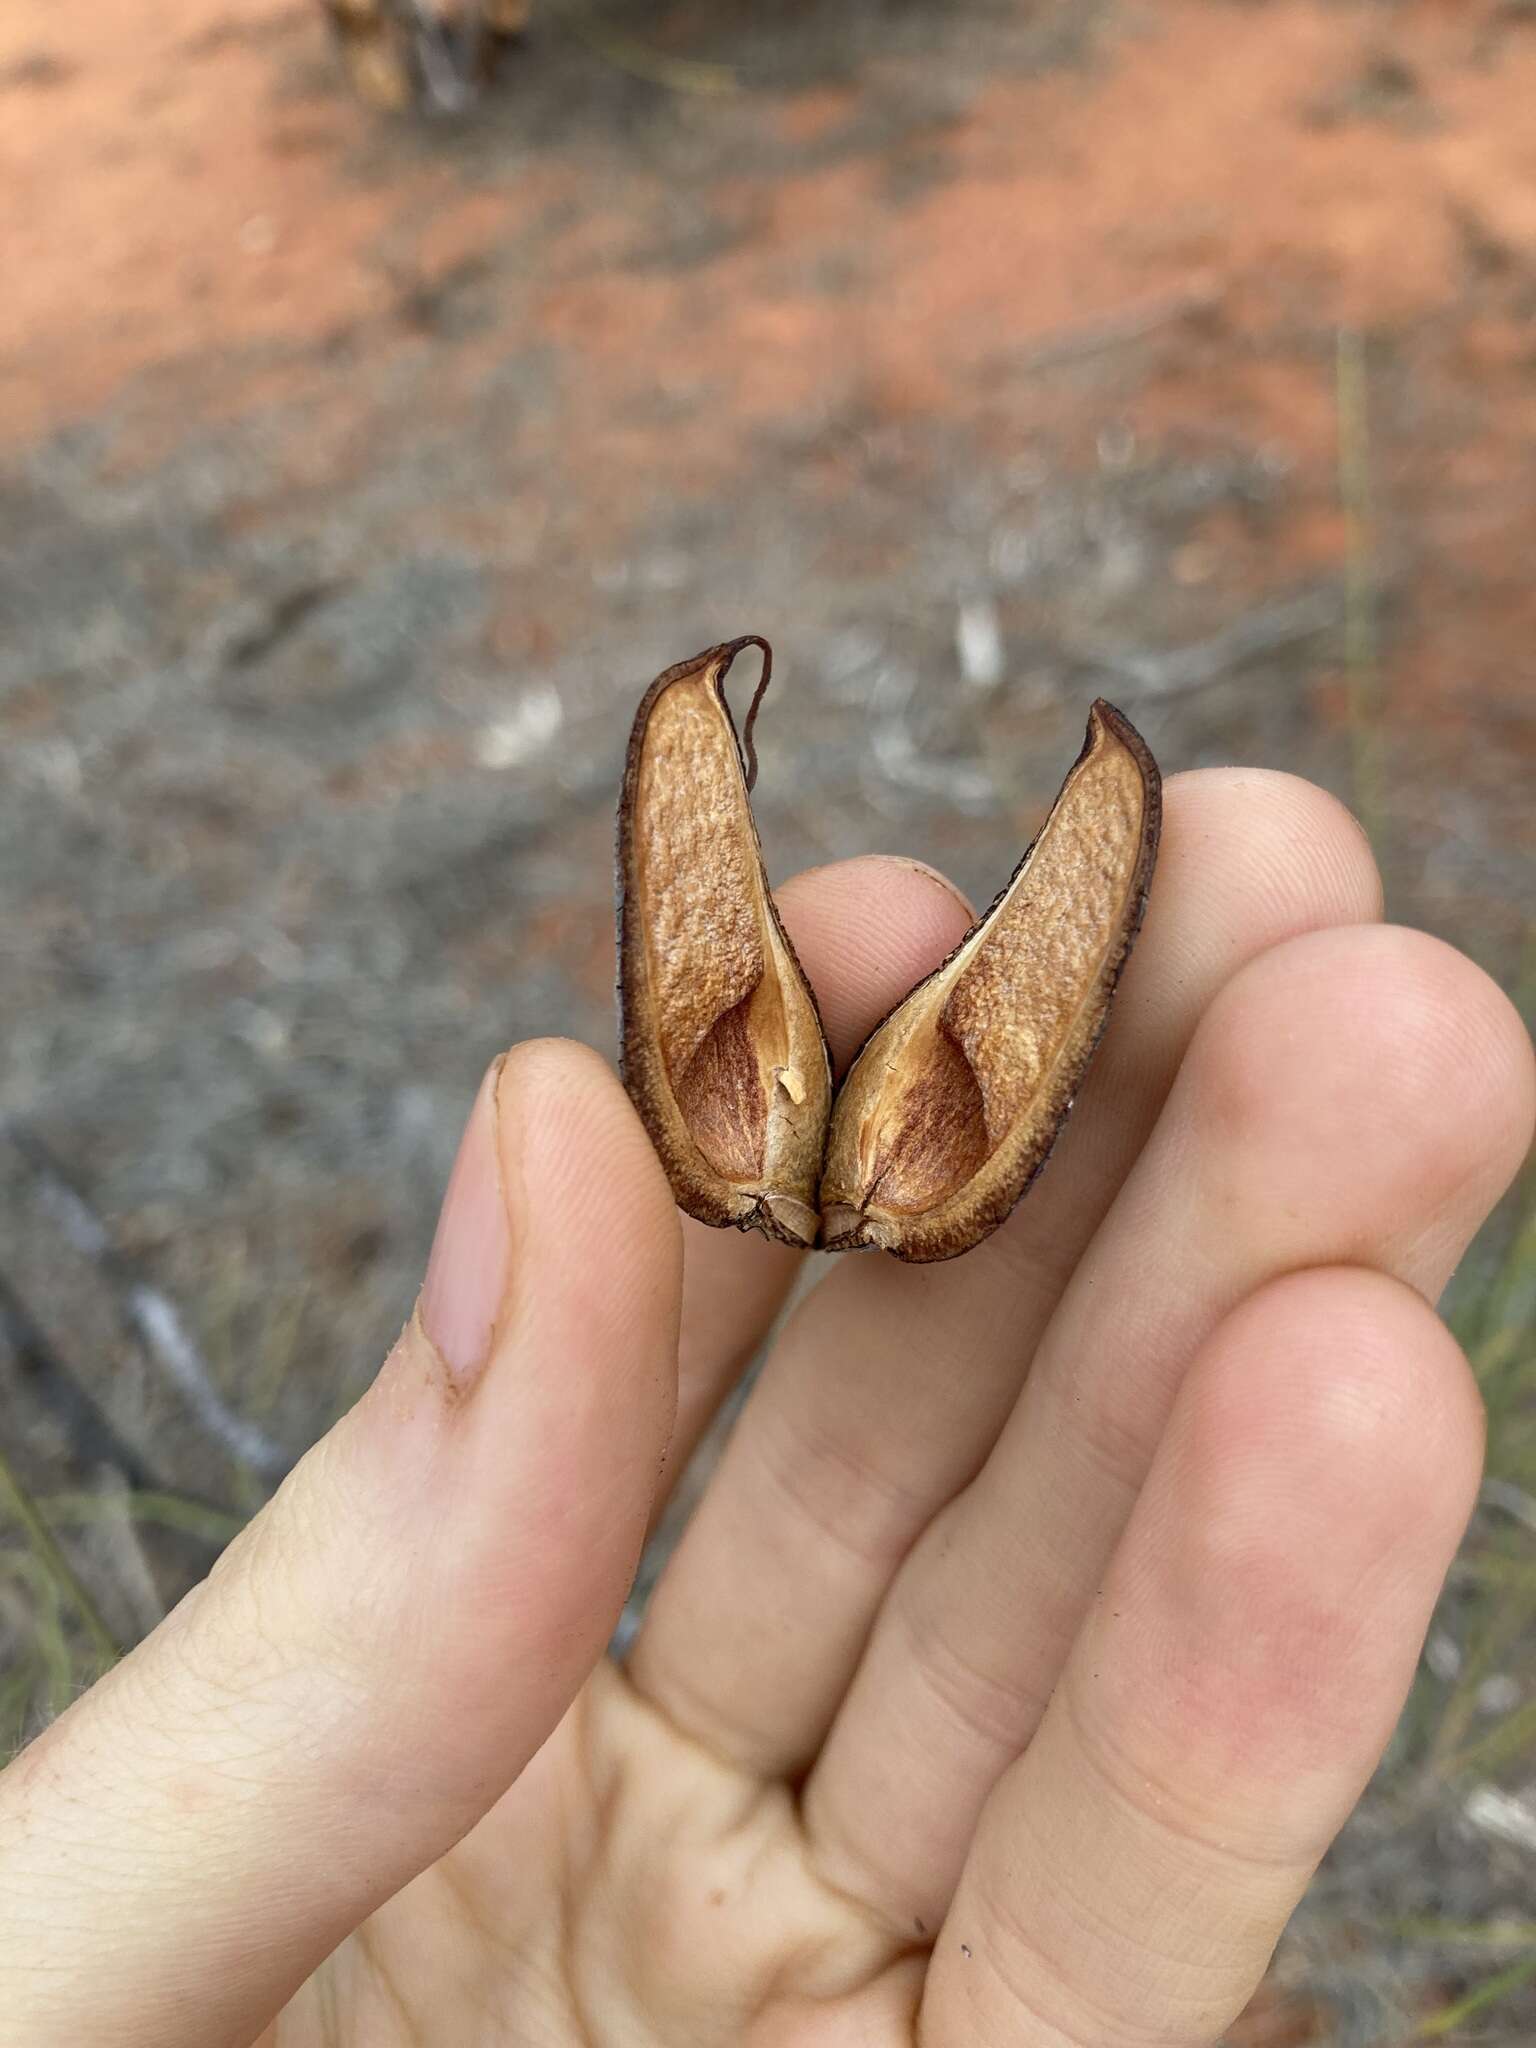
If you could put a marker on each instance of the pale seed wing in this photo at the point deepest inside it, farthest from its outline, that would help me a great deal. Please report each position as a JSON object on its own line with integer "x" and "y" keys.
{"x": 954, "y": 1103}
{"x": 721, "y": 1046}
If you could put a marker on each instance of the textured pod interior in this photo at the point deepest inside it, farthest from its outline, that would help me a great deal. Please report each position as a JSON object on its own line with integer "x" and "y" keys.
{"x": 723, "y": 1051}
{"x": 955, "y": 1101}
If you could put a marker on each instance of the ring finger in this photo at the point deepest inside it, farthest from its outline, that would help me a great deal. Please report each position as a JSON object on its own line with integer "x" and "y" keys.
{"x": 1234, "y": 1685}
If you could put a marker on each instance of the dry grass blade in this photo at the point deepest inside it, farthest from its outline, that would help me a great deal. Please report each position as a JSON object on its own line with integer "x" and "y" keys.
{"x": 1449, "y": 2020}
{"x": 1361, "y": 600}
{"x": 55, "y": 1566}
{"x": 627, "y": 53}
{"x": 173, "y": 1511}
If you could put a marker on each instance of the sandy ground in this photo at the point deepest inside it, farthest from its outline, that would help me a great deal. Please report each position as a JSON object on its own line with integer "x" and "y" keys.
{"x": 355, "y": 475}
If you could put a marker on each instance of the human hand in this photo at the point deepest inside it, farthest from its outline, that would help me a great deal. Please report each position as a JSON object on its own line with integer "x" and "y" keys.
{"x": 1036, "y": 1634}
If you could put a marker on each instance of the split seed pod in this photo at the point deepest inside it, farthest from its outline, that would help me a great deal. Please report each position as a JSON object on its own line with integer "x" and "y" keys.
{"x": 953, "y": 1105}
{"x": 955, "y": 1101}
{"x": 721, "y": 1045}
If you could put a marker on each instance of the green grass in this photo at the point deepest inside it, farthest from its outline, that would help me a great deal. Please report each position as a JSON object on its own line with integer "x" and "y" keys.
{"x": 45, "y": 1562}
{"x": 61, "y": 1639}
{"x": 1454, "y": 1744}
{"x": 1442, "y": 2025}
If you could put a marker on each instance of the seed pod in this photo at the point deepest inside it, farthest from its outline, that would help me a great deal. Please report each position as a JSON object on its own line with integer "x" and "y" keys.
{"x": 721, "y": 1045}
{"x": 954, "y": 1104}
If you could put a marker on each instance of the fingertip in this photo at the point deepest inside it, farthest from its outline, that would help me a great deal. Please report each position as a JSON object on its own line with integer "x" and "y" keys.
{"x": 1282, "y": 1567}
{"x": 1335, "y": 1395}
{"x": 589, "y": 1200}
{"x": 1376, "y": 1067}
{"x": 903, "y": 864}
{"x": 1293, "y": 853}
{"x": 866, "y": 931}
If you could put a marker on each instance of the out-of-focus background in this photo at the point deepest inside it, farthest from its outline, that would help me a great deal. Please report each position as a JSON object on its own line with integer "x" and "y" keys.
{"x": 357, "y": 472}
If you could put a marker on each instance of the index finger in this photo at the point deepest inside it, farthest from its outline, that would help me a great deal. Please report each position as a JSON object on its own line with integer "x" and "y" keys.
{"x": 865, "y": 930}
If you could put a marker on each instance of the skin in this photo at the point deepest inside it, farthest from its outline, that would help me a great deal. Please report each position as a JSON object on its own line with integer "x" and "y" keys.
{"x": 1037, "y": 1633}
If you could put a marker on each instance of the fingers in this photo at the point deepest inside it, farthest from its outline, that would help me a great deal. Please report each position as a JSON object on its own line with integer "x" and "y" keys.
{"x": 891, "y": 1383}
{"x": 373, "y": 1662}
{"x": 1233, "y": 1686}
{"x": 1358, "y": 1095}
{"x": 865, "y": 931}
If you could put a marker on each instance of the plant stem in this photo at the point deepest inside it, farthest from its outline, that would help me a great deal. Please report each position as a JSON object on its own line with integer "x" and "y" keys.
{"x": 1362, "y": 650}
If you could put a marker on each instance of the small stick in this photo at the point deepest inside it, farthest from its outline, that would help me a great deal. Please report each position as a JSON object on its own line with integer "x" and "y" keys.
{"x": 1116, "y": 330}
{"x": 1362, "y": 653}
{"x": 150, "y": 1315}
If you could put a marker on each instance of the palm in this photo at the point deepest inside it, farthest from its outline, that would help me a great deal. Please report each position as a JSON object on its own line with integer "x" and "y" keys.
{"x": 629, "y": 1888}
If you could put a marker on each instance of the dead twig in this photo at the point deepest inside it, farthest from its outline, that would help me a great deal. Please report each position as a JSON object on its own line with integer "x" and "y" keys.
{"x": 91, "y": 1434}
{"x": 1361, "y": 638}
{"x": 1118, "y": 329}
{"x": 149, "y": 1314}
{"x": 1263, "y": 632}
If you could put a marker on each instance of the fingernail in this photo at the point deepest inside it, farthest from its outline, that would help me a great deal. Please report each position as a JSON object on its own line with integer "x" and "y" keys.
{"x": 921, "y": 867}
{"x": 471, "y": 1253}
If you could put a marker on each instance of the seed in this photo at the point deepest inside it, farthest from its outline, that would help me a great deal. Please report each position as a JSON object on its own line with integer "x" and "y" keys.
{"x": 721, "y": 1046}
{"x": 953, "y": 1106}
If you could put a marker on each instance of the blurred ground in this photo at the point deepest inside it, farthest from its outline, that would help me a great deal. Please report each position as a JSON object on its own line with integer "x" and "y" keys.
{"x": 356, "y": 476}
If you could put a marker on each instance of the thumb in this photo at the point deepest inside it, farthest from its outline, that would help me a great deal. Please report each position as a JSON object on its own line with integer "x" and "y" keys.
{"x": 375, "y": 1659}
